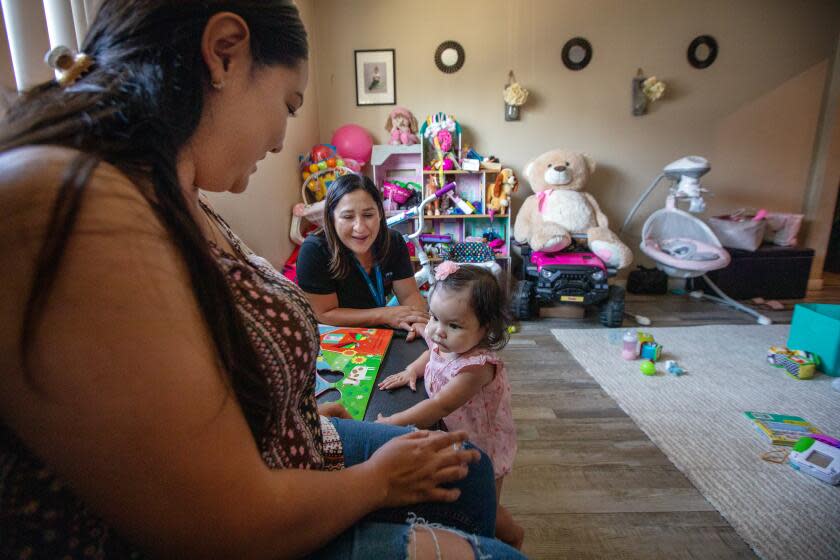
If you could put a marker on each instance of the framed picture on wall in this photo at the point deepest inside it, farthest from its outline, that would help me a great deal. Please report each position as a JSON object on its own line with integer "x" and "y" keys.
{"x": 376, "y": 80}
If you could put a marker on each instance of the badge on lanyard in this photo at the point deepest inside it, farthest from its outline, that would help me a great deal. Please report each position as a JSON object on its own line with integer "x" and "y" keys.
{"x": 378, "y": 291}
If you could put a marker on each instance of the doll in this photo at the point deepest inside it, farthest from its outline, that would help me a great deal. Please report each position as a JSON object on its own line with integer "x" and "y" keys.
{"x": 402, "y": 126}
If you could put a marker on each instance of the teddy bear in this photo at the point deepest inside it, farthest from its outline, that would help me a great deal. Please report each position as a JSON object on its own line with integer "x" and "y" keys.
{"x": 402, "y": 126}
{"x": 498, "y": 194}
{"x": 560, "y": 207}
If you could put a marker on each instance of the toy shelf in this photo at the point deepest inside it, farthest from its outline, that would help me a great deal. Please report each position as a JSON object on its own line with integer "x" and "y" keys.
{"x": 413, "y": 163}
{"x": 460, "y": 172}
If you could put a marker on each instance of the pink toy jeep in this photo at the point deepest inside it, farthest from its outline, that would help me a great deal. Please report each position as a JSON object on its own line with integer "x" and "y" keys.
{"x": 573, "y": 275}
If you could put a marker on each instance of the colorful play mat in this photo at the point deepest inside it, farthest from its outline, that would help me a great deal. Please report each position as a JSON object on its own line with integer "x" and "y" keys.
{"x": 348, "y": 363}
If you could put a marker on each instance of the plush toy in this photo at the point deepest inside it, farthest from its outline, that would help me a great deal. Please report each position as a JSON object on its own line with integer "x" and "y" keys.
{"x": 402, "y": 126}
{"x": 560, "y": 206}
{"x": 498, "y": 194}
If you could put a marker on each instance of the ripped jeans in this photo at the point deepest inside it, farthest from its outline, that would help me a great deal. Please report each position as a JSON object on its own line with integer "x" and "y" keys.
{"x": 386, "y": 533}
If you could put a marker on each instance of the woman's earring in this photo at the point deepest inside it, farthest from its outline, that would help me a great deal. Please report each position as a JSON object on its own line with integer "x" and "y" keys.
{"x": 217, "y": 84}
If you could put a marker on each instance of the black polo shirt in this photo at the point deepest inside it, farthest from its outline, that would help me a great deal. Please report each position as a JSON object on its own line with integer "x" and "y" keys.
{"x": 313, "y": 272}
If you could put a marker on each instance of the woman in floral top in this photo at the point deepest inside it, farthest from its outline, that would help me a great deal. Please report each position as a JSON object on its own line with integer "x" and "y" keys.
{"x": 155, "y": 376}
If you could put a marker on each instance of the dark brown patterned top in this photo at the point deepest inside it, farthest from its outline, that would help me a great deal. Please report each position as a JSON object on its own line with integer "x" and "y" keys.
{"x": 40, "y": 517}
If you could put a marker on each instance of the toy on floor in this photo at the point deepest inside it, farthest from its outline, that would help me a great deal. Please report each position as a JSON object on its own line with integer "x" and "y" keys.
{"x": 672, "y": 367}
{"x": 630, "y": 346}
{"x": 781, "y": 429}
{"x": 647, "y": 367}
{"x": 651, "y": 350}
{"x": 799, "y": 364}
{"x": 640, "y": 345}
{"x": 816, "y": 458}
{"x": 357, "y": 354}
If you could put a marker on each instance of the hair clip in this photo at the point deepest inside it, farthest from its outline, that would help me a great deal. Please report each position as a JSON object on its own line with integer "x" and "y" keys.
{"x": 444, "y": 269}
{"x": 69, "y": 65}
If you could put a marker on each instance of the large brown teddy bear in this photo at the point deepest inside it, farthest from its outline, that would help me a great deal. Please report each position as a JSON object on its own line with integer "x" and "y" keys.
{"x": 560, "y": 207}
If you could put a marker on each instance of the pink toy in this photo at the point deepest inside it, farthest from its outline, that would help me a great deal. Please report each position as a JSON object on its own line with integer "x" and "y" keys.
{"x": 396, "y": 193}
{"x": 354, "y": 142}
{"x": 630, "y": 346}
{"x": 402, "y": 126}
{"x": 574, "y": 259}
{"x": 445, "y": 139}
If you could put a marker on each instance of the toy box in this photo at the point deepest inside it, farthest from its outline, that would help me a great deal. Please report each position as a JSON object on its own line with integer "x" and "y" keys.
{"x": 769, "y": 272}
{"x": 816, "y": 328}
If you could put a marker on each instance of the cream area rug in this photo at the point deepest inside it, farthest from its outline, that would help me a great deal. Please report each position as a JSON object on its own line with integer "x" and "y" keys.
{"x": 697, "y": 420}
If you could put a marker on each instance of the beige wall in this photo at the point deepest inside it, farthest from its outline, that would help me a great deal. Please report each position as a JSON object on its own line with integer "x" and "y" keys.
{"x": 824, "y": 183}
{"x": 753, "y": 113}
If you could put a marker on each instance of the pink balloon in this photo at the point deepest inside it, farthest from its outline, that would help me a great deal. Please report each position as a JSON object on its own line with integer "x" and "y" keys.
{"x": 354, "y": 142}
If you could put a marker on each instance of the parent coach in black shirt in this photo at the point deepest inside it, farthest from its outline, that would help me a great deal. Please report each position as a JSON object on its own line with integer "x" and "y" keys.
{"x": 349, "y": 270}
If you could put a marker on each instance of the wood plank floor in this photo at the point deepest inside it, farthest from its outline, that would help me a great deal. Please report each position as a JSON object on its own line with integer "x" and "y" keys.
{"x": 587, "y": 482}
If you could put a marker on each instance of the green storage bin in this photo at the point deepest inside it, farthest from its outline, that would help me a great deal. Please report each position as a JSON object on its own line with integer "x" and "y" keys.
{"x": 816, "y": 328}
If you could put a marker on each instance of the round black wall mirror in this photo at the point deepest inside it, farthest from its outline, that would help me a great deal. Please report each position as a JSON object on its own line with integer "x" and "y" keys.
{"x": 702, "y": 51}
{"x": 577, "y": 53}
{"x": 449, "y": 57}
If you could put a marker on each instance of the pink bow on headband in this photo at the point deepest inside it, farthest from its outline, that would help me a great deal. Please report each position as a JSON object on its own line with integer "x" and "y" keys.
{"x": 444, "y": 269}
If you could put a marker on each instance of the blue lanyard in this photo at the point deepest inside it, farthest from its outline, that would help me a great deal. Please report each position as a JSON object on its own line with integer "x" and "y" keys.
{"x": 377, "y": 292}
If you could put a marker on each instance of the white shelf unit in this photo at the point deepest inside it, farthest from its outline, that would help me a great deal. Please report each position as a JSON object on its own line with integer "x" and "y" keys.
{"x": 406, "y": 163}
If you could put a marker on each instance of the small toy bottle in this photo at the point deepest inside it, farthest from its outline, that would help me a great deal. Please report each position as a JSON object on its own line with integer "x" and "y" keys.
{"x": 630, "y": 346}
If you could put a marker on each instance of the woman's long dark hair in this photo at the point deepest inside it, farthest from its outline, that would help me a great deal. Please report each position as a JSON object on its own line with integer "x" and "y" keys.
{"x": 341, "y": 258}
{"x": 136, "y": 109}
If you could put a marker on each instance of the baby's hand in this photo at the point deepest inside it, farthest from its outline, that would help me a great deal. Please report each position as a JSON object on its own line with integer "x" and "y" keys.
{"x": 380, "y": 419}
{"x": 400, "y": 379}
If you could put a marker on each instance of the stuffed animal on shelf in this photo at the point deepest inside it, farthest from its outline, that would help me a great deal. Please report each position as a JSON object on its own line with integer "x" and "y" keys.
{"x": 498, "y": 194}
{"x": 402, "y": 126}
{"x": 560, "y": 206}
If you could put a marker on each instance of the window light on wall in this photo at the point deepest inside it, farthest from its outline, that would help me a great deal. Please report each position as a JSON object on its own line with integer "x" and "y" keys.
{"x": 66, "y": 22}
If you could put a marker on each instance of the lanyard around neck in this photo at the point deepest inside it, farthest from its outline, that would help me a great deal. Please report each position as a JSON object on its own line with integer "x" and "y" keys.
{"x": 378, "y": 291}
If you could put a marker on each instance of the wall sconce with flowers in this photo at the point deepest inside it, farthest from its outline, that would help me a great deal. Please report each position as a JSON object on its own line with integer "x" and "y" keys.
{"x": 646, "y": 90}
{"x": 515, "y": 96}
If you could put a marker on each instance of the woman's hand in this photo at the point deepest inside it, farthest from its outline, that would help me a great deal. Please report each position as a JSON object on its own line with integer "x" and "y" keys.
{"x": 405, "y": 377}
{"x": 404, "y": 316}
{"x": 412, "y": 467}
{"x": 334, "y": 410}
{"x": 416, "y": 331}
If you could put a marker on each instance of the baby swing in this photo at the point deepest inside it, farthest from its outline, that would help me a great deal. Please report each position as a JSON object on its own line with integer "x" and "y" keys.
{"x": 682, "y": 245}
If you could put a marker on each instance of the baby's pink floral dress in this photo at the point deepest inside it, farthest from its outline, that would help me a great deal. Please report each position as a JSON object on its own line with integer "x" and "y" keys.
{"x": 486, "y": 417}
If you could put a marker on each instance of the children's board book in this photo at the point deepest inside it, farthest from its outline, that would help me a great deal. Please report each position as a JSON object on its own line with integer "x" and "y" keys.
{"x": 780, "y": 429}
{"x": 348, "y": 363}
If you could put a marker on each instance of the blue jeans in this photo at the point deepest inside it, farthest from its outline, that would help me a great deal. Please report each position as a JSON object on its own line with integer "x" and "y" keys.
{"x": 386, "y": 533}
